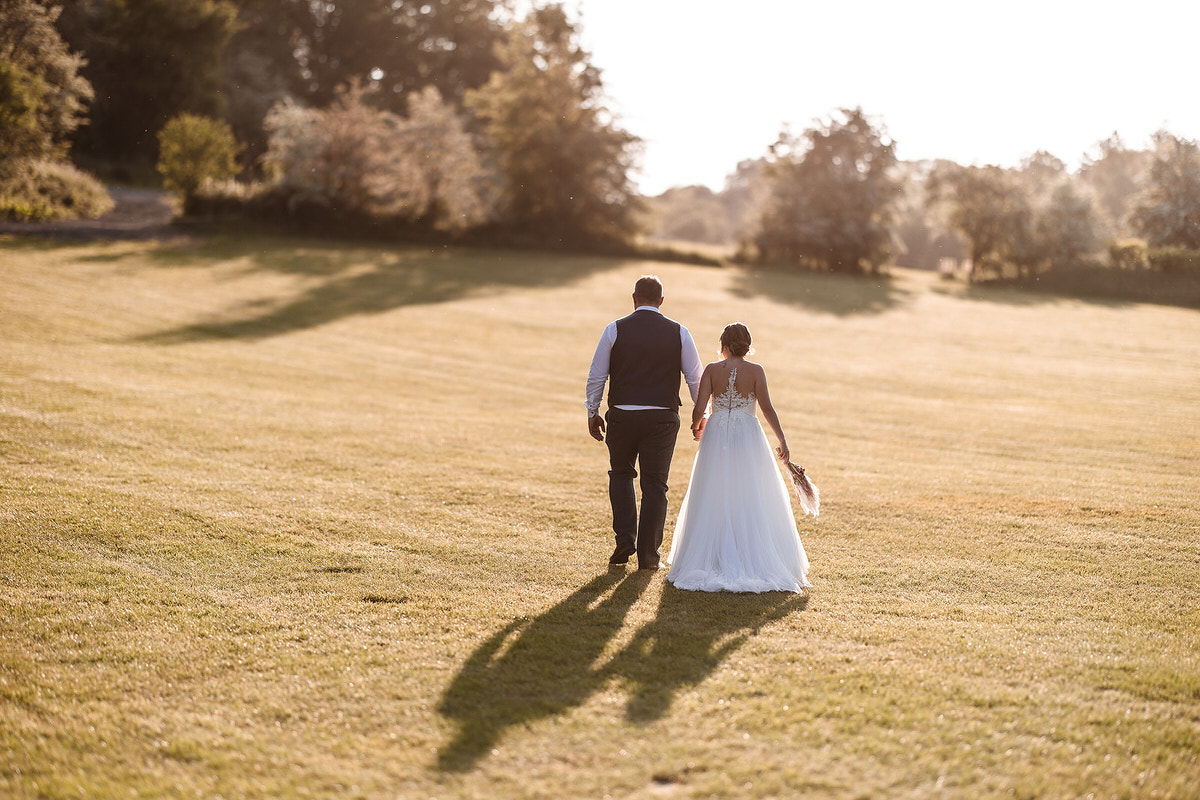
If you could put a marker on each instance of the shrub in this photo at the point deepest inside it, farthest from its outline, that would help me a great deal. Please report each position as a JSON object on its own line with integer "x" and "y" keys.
{"x": 195, "y": 149}
{"x": 1128, "y": 254}
{"x": 356, "y": 160}
{"x": 45, "y": 190}
{"x": 1174, "y": 260}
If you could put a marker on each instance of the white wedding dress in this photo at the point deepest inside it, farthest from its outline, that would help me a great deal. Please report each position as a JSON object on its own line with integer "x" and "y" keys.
{"x": 736, "y": 531}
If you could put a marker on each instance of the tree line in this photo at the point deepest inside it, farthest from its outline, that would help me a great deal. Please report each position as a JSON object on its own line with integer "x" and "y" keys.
{"x": 836, "y": 199}
{"x": 459, "y": 119}
{"x": 449, "y": 116}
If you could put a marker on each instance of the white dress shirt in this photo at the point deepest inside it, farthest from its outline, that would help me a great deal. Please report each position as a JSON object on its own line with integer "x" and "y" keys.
{"x": 689, "y": 359}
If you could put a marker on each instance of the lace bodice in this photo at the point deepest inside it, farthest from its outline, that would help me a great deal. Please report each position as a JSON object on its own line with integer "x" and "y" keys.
{"x": 730, "y": 400}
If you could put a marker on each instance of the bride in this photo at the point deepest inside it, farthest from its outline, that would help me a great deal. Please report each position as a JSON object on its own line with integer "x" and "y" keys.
{"x": 736, "y": 531}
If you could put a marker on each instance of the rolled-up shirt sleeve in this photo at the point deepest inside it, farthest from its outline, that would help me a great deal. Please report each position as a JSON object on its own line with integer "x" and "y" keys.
{"x": 598, "y": 373}
{"x": 689, "y": 361}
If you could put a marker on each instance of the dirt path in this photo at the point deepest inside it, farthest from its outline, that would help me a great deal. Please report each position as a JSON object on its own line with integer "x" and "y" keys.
{"x": 138, "y": 214}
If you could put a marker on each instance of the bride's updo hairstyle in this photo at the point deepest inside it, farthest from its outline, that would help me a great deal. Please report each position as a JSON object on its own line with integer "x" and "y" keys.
{"x": 736, "y": 339}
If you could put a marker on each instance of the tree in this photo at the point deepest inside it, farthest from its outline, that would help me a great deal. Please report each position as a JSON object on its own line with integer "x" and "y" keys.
{"x": 565, "y": 162}
{"x": 1169, "y": 212}
{"x": 988, "y": 207}
{"x": 260, "y": 69}
{"x": 691, "y": 214}
{"x": 923, "y": 240}
{"x": 308, "y": 50}
{"x": 832, "y": 195}
{"x": 22, "y": 96}
{"x": 697, "y": 214}
{"x": 1028, "y": 219}
{"x": 743, "y": 196}
{"x": 1066, "y": 229}
{"x": 1114, "y": 174}
{"x": 42, "y": 101}
{"x": 192, "y": 150}
{"x": 1040, "y": 175}
{"x": 42, "y": 95}
{"x": 149, "y": 61}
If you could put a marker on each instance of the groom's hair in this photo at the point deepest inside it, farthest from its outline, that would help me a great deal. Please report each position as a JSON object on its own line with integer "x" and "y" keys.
{"x": 648, "y": 287}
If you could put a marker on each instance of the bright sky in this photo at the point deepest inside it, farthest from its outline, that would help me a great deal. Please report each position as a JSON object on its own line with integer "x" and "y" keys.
{"x": 707, "y": 83}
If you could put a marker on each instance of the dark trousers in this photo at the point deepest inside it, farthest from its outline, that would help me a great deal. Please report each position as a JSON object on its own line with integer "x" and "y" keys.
{"x": 647, "y": 439}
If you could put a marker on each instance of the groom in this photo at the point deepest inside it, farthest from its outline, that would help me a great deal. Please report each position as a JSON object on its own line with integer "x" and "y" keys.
{"x": 641, "y": 356}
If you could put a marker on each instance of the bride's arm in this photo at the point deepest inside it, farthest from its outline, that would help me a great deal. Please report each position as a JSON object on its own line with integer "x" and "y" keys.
{"x": 768, "y": 411}
{"x": 703, "y": 393}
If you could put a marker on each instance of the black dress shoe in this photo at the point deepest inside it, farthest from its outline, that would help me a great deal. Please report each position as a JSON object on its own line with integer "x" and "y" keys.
{"x": 649, "y": 566}
{"x": 621, "y": 555}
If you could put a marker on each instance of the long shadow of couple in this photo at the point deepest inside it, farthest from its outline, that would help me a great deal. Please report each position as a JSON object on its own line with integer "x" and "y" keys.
{"x": 550, "y": 663}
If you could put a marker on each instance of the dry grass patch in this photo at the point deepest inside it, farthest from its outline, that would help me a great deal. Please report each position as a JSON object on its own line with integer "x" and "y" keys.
{"x": 280, "y": 518}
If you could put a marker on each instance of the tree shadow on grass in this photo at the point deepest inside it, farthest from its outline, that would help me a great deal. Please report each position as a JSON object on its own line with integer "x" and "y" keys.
{"x": 1012, "y": 294}
{"x": 547, "y": 666}
{"x": 840, "y": 295}
{"x": 352, "y": 281}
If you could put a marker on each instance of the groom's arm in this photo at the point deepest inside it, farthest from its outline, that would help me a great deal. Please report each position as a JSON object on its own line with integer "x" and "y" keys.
{"x": 597, "y": 376}
{"x": 693, "y": 371}
{"x": 689, "y": 362}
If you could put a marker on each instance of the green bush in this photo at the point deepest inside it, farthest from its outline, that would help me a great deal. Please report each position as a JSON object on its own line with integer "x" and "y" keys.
{"x": 1174, "y": 260}
{"x": 46, "y": 190}
{"x": 1128, "y": 254}
{"x": 194, "y": 149}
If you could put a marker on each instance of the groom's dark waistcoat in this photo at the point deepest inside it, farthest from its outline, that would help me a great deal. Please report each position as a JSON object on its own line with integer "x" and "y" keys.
{"x": 645, "y": 364}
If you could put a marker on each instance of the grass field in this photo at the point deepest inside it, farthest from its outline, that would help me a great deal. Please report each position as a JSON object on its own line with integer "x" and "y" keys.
{"x": 287, "y": 519}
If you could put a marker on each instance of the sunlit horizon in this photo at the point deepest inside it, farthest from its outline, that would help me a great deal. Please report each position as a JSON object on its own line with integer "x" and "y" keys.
{"x": 706, "y": 88}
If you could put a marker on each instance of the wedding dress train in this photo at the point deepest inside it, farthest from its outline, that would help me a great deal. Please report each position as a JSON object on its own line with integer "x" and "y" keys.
{"x": 736, "y": 531}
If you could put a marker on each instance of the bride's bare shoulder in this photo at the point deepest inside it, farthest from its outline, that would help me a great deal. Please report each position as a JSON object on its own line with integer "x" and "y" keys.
{"x": 757, "y": 374}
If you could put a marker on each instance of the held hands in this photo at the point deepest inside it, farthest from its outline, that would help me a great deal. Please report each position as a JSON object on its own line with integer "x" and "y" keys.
{"x": 596, "y": 427}
{"x": 698, "y": 429}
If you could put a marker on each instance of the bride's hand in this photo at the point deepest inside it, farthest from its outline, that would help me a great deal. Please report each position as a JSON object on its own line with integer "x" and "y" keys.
{"x": 782, "y": 452}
